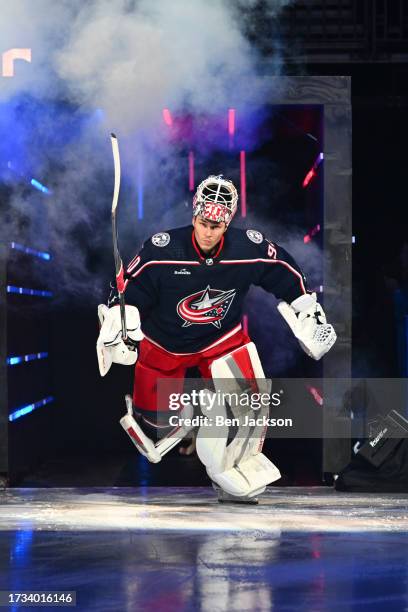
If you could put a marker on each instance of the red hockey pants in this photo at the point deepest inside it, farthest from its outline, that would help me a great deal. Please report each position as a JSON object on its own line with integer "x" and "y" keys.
{"x": 156, "y": 363}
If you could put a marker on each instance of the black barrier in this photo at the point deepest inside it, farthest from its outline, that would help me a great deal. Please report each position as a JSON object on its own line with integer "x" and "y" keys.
{"x": 334, "y": 94}
{"x": 25, "y": 373}
{"x": 3, "y": 364}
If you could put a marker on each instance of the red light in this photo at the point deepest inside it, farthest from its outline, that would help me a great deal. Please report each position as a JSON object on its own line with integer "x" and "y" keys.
{"x": 168, "y": 119}
{"x": 311, "y": 174}
{"x": 316, "y": 394}
{"x": 312, "y": 233}
{"x": 231, "y": 121}
{"x": 243, "y": 183}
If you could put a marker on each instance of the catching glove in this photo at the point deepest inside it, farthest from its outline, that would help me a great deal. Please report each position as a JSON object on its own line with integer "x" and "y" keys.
{"x": 307, "y": 320}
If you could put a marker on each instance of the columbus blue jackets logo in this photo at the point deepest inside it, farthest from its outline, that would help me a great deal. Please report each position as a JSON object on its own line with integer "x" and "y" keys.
{"x": 161, "y": 239}
{"x": 255, "y": 236}
{"x": 205, "y": 307}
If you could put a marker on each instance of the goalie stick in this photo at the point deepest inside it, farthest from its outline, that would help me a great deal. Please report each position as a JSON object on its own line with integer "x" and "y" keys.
{"x": 118, "y": 260}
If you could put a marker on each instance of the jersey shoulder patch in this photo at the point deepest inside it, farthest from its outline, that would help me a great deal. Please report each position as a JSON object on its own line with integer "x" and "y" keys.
{"x": 161, "y": 239}
{"x": 255, "y": 236}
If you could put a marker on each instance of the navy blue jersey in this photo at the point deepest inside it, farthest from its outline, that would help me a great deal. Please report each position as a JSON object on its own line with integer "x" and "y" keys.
{"x": 188, "y": 301}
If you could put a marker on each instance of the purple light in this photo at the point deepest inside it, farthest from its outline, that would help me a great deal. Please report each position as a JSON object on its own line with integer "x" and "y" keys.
{"x": 30, "y": 251}
{"x": 191, "y": 171}
{"x": 26, "y": 291}
{"x": 242, "y": 160}
{"x": 25, "y": 358}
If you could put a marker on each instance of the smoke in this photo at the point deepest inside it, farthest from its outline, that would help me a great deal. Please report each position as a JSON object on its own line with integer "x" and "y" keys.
{"x": 167, "y": 54}
{"x": 102, "y": 66}
{"x": 134, "y": 58}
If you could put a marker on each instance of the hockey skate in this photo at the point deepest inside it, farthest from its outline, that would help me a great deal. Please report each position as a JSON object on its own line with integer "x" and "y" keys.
{"x": 227, "y": 498}
{"x": 190, "y": 449}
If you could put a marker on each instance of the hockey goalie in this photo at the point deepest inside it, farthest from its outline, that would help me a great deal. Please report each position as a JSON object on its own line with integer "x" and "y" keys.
{"x": 187, "y": 287}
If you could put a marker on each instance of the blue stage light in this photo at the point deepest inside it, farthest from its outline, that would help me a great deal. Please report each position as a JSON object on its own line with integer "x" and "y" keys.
{"x": 21, "y": 554}
{"x": 23, "y": 410}
{"x": 29, "y": 251}
{"x": 25, "y": 358}
{"x": 40, "y": 186}
{"x": 26, "y": 291}
{"x": 14, "y": 360}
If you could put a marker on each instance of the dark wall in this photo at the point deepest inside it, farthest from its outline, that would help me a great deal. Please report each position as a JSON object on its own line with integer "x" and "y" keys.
{"x": 380, "y": 132}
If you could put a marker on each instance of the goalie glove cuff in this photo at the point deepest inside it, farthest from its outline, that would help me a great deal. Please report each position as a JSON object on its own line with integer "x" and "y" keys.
{"x": 304, "y": 302}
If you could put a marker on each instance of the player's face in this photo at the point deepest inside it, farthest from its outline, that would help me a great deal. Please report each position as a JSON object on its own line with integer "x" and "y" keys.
{"x": 207, "y": 233}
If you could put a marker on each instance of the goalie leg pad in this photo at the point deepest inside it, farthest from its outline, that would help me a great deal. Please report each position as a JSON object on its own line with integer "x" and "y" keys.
{"x": 239, "y": 468}
{"x": 248, "y": 478}
{"x": 240, "y": 371}
{"x": 154, "y": 451}
{"x": 212, "y": 439}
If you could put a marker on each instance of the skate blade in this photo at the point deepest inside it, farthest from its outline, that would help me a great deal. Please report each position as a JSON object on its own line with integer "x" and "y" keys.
{"x": 251, "y": 501}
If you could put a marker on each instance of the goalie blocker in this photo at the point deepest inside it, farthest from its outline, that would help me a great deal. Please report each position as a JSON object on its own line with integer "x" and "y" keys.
{"x": 110, "y": 346}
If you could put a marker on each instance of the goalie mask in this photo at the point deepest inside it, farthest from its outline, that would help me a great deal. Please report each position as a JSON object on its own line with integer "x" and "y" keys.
{"x": 216, "y": 200}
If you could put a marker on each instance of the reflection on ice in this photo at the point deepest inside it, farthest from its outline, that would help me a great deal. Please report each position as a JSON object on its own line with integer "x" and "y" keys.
{"x": 178, "y": 549}
{"x": 196, "y": 509}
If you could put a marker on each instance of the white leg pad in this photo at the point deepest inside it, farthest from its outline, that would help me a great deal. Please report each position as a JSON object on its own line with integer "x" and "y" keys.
{"x": 212, "y": 440}
{"x": 144, "y": 445}
{"x": 239, "y": 468}
{"x": 248, "y": 478}
{"x": 154, "y": 451}
{"x": 242, "y": 363}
